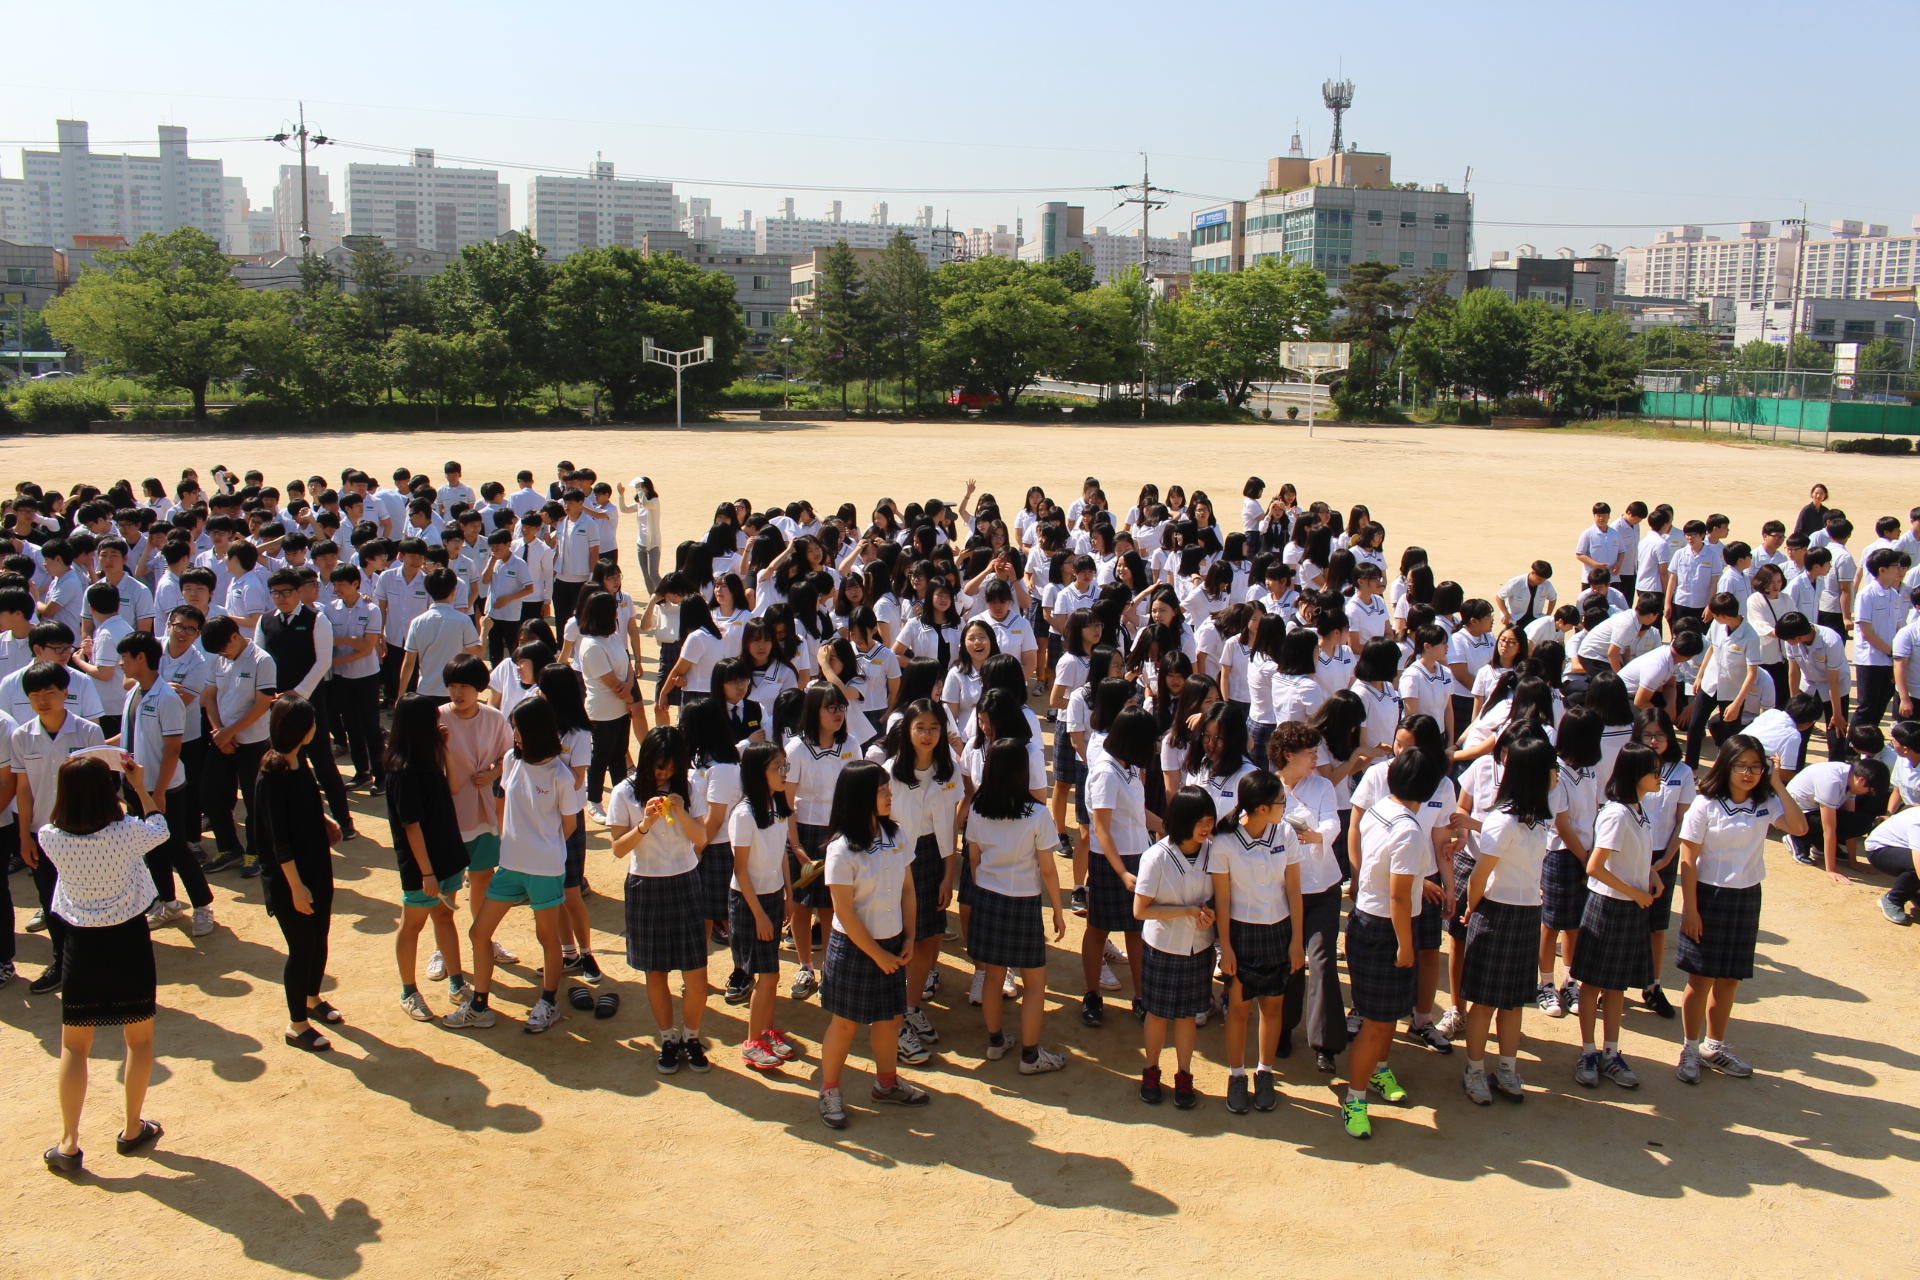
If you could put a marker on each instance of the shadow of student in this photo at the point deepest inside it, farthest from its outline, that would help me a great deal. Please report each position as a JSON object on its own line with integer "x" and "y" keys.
{"x": 952, "y": 1130}
{"x": 293, "y": 1233}
{"x": 435, "y": 1090}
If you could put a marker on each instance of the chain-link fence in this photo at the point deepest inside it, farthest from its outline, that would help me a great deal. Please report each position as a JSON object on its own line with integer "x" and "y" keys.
{"x": 1783, "y": 404}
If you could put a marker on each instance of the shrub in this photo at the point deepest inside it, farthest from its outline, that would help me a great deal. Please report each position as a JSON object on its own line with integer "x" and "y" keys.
{"x": 63, "y": 400}
{"x": 1462, "y": 413}
{"x": 1127, "y": 409}
{"x": 1875, "y": 444}
{"x": 1522, "y": 407}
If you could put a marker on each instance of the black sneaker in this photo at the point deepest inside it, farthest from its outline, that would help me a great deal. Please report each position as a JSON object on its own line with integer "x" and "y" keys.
{"x": 1655, "y": 999}
{"x": 379, "y": 788}
{"x": 14, "y": 864}
{"x": 249, "y": 868}
{"x": 1184, "y": 1096}
{"x": 356, "y": 783}
{"x": 569, "y": 964}
{"x": 739, "y": 988}
{"x": 695, "y": 1053}
{"x": 221, "y": 862}
{"x": 1092, "y": 1012}
{"x": 1323, "y": 1062}
{"x": 1264, "y": 1098}
{"x": 49, "y": 980}
{"x": 1150, "y": 1086}
{"x": 590, "y": 968}
{"x": 1237, "y": 1099}
{"x": 1078, "y": 901}
{"x": 1139, "y": 1012}
{"x": 669, "y": 1060}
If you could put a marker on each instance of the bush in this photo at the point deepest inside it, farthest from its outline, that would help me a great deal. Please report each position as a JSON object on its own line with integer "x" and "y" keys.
{"x": 63, "y": 400}
{"x": 1127, "y": 409}
{"x": 1463, "y": 413}
{"x": 1352, "y": 408}
{"x": 746, "y": 394}
{"x": 1522, "y": 407}
{"x": 1875, "y": 444}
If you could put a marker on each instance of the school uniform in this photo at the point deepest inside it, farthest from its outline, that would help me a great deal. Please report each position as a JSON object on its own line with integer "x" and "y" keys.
{"x": 1732, "y": 863}
{"x": 1828, "y": 784}
{"x": 924, "y": 810}
{"x": 851, "y": 985}
{"x": 1176, "y": 979}
{"x": 1502, "y": 950}
{"x": 38, "y": 755}
{"x": 766, "y": 880}
{"x": 664, "y": 898}
{"x": 533, "y": 850}
{"x": 714, "y": 785}
{"x": 1885, "y": 609}
{"x": 1006, "y": 927}
{"x": 1112, "y": 785}
{"x": 1614, "y": 954}
{"x": 1692, "y": 573}
{"x": 1427, "y": 691}
{"x": 1664, "y": 809}
{"x": 1390, "y": 845}
{"x": 1259, "y": 928}
{"x": 1890, "y": 849}
{"x": 1563, "y": 876}
{"x": 813, "y": 771}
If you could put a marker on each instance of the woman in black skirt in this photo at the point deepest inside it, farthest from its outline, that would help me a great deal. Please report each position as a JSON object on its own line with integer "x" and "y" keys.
{"x": 1652, "y": 728}
{"x": 1498, "y": 975}
{"x": 1255, "y": 866}
{"x": 1723, "y": 841}
{"x": 1563, "y": 877}
{"x": 1173, "y": 897}
{"x": 757, "y": 901}
{"x": 298, "y": 867}
{"x": 1122, "y": 829}
{"x": 864, "y": 980}
{"x": 926, "y": 790}
{"x": 1613, "y": 932}
{"x": 713, "y": 773}
{"x": 666, "y": 932}
{"x": 103, "y": 893}
{"x": 1010, "y": 836}
{"x": 816, "y": 756}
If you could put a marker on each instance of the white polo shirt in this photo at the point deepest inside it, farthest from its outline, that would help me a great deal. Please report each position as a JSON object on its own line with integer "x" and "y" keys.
{"x": 1626, "y": 832}
{"x": 1112, "y": 785}
{"x": 1390, "y": 844}
{"x": 1172, "y": 879}
{"x": 877, "y": 874}
{"x": 1256, "y": 868}
{"x": 1732, "y": 839}
{"x": 1010, "y": 851}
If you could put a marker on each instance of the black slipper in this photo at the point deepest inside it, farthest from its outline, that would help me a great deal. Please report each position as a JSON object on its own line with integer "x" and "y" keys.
{"x": 607, "y": 1005}
{"x": 580, "y": 998}
{"x": 324, "y": 1012}
{"x": 310, "y": 1040}
{"x": 149, "y": 1132}
{"x": 58, "y": 1163}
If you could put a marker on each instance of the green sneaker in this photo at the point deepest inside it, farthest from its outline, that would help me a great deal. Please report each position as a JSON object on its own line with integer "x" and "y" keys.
{"x": 1383, "y": 1083}
{"x": 1353, "y": 1113}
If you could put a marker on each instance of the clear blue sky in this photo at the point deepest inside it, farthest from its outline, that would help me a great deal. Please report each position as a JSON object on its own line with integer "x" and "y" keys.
{"x": 1628, "y": 113}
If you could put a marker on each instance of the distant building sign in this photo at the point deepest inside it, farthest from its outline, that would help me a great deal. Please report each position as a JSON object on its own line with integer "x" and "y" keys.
{"x": 1211, "y": 218}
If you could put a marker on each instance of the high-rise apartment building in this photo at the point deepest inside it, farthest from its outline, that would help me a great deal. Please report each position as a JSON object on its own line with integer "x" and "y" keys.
{"x": 322, "y": 220}
{"x": 74, "y": 191}
{"x": 570, "y": 214}
{"x": 1062, "y": 231}
{"x": 997, "y": 243}
{"x": 421, "y": 206}
{"x": 1852, "y": 260}
{"x": 801, "y": 236}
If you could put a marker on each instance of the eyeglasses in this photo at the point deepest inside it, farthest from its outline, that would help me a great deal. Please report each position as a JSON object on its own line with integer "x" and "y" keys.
{"x": 1744, "y": 767}
{"x": 279, "y": 592}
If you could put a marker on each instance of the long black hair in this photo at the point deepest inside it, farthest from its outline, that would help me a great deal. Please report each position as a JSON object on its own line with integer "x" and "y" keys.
{"x": 1718, "y": 784}
{"x": 1527, "y": 781}
{"x": 666, "y": 743}
{"x": 1003, "y": 791}
{"x": 1008, "y": 714}
{"x": 1131, "y": 737}
{"x": 1231, "y": 723}
{"x": 563, "y": 689}
{"x": 899, "y": 743}
{"x": 539, "y": 735}
{"x": 414, "y": 742}
{"x": 767, "y": 804}
{"x": 856, "y": 815}
{"x": 708, "y": 732}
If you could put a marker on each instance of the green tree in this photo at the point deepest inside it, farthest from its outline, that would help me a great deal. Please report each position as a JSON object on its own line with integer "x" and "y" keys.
{"x": 501, "y": 288}
{"x": 1760, "y": 354}
{"x": 604, "y": 302}
{"x": 899, "y": 294}
{"x": 834, "y": 344}
{"x": 166, "y": 311}
{"x": 1374, "y": 305}
{"x": 1579, "y": 362}
{"x": 1228, "y": 328}
{"x": 1883, "y": 355}
{"x": 1108, "y": 323}
{"x": 1488, "y": 339}
{"x": 1070, "y": 269}
{"x": 430, "y": 366}
{"x": 1669, "y": 346}
{"x": 1002, "y": 325}
{"x": 1426, "y": 345}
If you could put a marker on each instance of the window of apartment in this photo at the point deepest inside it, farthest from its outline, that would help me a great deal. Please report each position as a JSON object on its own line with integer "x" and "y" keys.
{"x": 1439, "y": 259}
{"x": 1406, "y": 259}
{"x": 1896, "y": 328}
{"x": 1375, "y": 217}
{"x": 1823, "y": 328}
{"x": 1860, "y": 329}
{"x": 1442, "y": 219}
{"x": 1408, "y": 217}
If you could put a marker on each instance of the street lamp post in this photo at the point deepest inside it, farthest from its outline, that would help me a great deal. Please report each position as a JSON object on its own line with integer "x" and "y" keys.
{"x": 786, "y": 383}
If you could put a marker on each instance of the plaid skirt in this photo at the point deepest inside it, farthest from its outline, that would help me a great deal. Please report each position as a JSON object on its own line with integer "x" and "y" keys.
{"x": 1382, "y": 991}
{"x": 1464, "y": 861}
{"x": 852, "y": 986}
{"x": 663, "y": 923}
{"x": 964, "y": 890}
{"x": 1660, "y": 914}
{"x": 1176, "y": 986}
{"x": 1068, "y": 767}
{"x": 816, "y": 895}
{"x": 1502, "y": 963}
{"x": 110, "y": 974}
{"x": 1109, "y": 904}
{"x": 929, "y": 869}
{"x": 1563, "y": 890}
{"x": 1260, "y": 957}
{"x": 1613, "y": 954}
{"x": 1730, "y": 926}
{"x": 1428, "y": 925}
{"x": 750, "y": 955}
{"x": 1006, "y": 931}
{"x": 716, "y": 881}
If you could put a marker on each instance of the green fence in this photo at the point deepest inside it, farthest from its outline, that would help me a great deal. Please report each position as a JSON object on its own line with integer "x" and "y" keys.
{"x": 1831, "y": 416}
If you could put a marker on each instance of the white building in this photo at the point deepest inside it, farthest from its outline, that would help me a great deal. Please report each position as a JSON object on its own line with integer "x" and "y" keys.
{"x": 234, "y": 208}
{"x": 801, "y": 236}
{"x": 570, "y": 214}
{"x": 76, "y": 192}
{"x": 324, "y": 223}
{"x": 1756, "y": 265}
{"x": 1062, "y": 232}
{"x": 419, "y": 206}
{"x": 695, "y": 216}
{"x": 997, "y": 243}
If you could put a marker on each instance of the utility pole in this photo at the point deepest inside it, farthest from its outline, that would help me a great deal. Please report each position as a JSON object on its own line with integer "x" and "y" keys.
{"x": 1147, "y": 205}
{"x": 307, "y": 137}
{"x": 1793, "y": 316}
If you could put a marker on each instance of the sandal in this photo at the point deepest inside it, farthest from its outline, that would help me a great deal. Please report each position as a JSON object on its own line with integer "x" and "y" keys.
{"x": 149, "y": 1132}
{"x": 580, "y": 998}
{"x": 57, "y": 1162}
{"x": 607, "y": 1005}
{"x": 310, "y": 1040}
{"x": 324, "y": 1012}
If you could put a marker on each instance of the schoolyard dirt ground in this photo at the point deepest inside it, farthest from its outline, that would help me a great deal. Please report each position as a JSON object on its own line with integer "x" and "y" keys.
{"x": 414, "y": 1150}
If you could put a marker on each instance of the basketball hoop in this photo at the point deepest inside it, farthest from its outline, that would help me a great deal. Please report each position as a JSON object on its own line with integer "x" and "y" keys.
{"x": 1314, "y": 359}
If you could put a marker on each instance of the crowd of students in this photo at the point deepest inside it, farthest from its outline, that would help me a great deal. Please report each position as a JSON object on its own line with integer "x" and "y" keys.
{"x": 1245, "y": 731}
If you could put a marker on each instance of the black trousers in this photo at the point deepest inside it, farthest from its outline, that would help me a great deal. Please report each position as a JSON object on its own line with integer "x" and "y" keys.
{"x": 45, "y": 877}
{"x": 390, "y": 664}
{"x": 1703, "y": 719}
{"x": 1897, "y": 863}
{"x": 1314, "y": 992}
{"x": 306, "y": 966}
{"x": 1873, "y": 690}
{"x": 609, "y": 755}
{"x": 319, "y": 755}
{"x": 10, "y": 842}
{"x": 225, "y": 773}
{"x": 565, "y": 596}
{"x": 174, "y": 855}
{"x": 356, "y": 700}
{"x": 193, "y": 760}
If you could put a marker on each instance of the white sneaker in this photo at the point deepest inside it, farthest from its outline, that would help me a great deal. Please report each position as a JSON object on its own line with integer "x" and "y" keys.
{"x": 1045, "y": 1060}
{"x": 37, "y": 922}
{"x": 1007, "y": 987}
{"x": 543, "y": 1015}
{"x": 912, "y": 1052}
{"x": 161, "y": 914}
{"x": 469, "y": 1015}
{"x": 1113, "y": 954}
{"x": 503, "y": 956}
{"x": 1007, "y": 1045}
{"x": 416, "y": 1007}
{"x": 977, "y": 992}
{"x": 1450, "y": 1023}
{"x": 1200, "y": 1018}
{"x": 437, "y": 967}
{"x": 202, "y": 921}
{"x": 1107, "y": 981}
{"x": 918, "y": 1023}
{"x": 598, "y": 814}
{"x": 932, "y": 983}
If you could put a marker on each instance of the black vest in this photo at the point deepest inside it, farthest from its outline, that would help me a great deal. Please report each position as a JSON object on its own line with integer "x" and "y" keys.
{"x": 743, "y": 719}
{"x": 289, "y": 642}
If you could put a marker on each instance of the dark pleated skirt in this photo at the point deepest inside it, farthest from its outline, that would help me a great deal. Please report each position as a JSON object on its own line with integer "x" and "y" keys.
{"x": 110, "y": 980}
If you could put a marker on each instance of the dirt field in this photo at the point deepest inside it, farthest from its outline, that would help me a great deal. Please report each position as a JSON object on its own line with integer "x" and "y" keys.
{"x": 413, "y": 1150}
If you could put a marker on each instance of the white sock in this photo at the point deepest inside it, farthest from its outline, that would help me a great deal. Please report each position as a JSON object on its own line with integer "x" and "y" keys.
{"x": 1422, "y": 1020}
{"x": 1690, "y": 1044}
{"x": 1476, "y": 1066}
{"x": 1613, "y": 1047}
{"x": 1710, "y": 1046}
{"x": 1356, "y": 1095}
{"x": 1264, "y": 1067}
{"x": 1508, "y": 1063}
{"x": 1587, "y": 1046}
{"x": 1235, "y": 1071}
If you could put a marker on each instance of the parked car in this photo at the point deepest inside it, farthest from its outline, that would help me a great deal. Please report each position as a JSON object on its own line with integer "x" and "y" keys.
{"x": 973, "y": 399}
{"x": 52, "y": 375}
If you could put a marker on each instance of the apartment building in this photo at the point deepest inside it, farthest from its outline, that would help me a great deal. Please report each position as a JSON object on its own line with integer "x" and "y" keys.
{"x": 75, "y": 191}
{"x": 1850, "y": 261}
{"x": 422, "y": 206}
{"x": 570, "y": 214}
